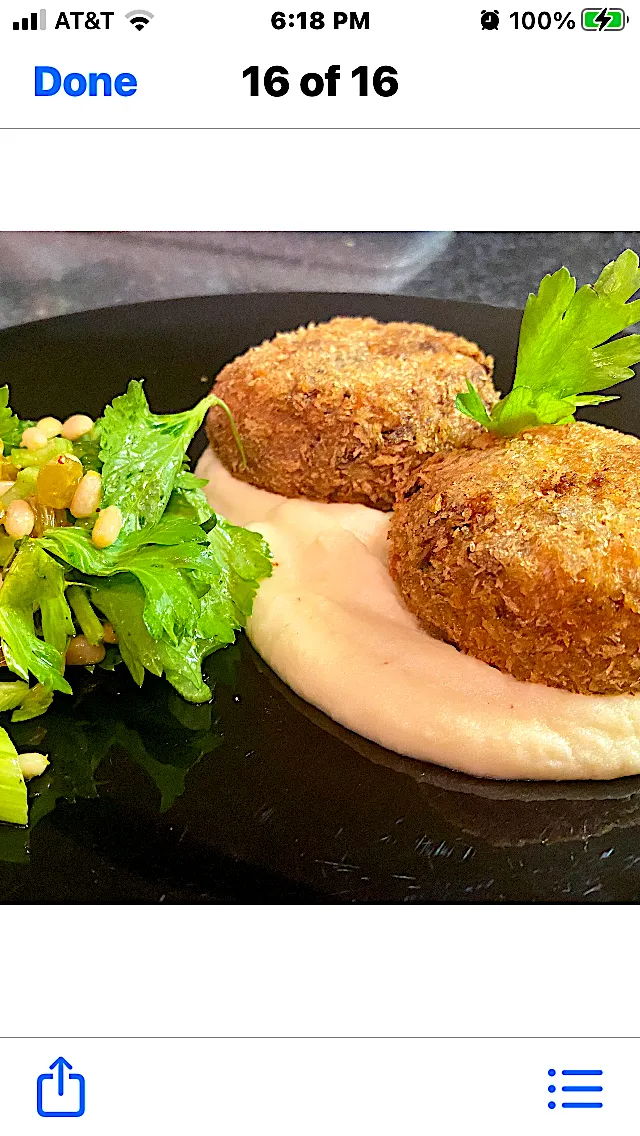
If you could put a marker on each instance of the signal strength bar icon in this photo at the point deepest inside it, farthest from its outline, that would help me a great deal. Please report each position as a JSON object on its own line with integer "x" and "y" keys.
{"x": 31, "y": 23}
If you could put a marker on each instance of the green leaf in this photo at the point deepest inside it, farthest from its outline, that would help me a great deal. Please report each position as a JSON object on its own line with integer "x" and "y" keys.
{"x": 55, "y": 616}
{"x": 87, "y": 449}
{"x": 142, "y": 453}
{"x": 13, "y": 791}
{"x": 75, "y": 547}
{"x": 172, "y": 560}
{"x": 12, "y": 694}
{"x": 7, "y": 548}
{"x": 188, "y": 480}
{"x": 11, "y": 426}
{"x": 563, "y": 353}
{"x": 187, "y": 499}
{"x": 472, "y": 405}
{"x": 236, "y": 561}
{"x": 122, "y": 600}
{"x": 243, "y": 560}
{"x": 36, "y": 702}
{"x": 594, "y": 399}
{"x": 516, "y": 413}
{"x": 35, "y": 580}
{"x": 172, "y": 605}
{"x": 542, "y": 315}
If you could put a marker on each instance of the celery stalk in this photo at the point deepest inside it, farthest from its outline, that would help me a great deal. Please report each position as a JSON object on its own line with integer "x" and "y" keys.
{"x": 13, "y": 791}
{"x": 91, "y": 626}
{"x": 23, "y": 486}
{"x": 23, "y": 458}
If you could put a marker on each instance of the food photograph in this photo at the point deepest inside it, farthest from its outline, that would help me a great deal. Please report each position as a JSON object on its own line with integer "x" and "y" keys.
{"x": 319, "y": 568}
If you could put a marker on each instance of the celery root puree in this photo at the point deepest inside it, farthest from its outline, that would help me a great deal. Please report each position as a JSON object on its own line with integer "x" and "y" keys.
{"x": 331, "y": 624}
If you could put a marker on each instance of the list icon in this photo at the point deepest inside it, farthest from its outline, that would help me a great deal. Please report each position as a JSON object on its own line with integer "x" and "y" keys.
{"x": 575, "y": 1081}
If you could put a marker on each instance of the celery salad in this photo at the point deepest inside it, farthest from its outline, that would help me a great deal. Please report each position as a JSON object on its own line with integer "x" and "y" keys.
{"x": 110, "y": 553}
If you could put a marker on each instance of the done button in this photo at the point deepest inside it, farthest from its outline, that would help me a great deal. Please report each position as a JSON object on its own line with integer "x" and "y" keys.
{"x": 49, "y": 81}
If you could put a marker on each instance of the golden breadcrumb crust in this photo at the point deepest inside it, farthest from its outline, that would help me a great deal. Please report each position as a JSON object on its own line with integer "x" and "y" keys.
{"x": 345, "y": 410}
{"x": 525, "y": 552}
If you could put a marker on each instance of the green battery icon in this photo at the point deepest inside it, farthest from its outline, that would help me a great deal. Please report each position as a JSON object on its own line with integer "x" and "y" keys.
{"x": 603, "y": 19}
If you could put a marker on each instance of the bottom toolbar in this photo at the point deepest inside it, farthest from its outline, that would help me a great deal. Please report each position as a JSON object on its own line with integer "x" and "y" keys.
{"x": 242, "y": 1086}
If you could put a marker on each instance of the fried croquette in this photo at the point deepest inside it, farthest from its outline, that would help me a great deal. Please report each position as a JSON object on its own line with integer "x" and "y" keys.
{"x": 344, "y": 411}
{"x": 525, "y": 552}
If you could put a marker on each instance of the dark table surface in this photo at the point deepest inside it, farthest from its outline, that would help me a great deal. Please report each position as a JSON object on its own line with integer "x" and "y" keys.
{"x": 502, "y": 268}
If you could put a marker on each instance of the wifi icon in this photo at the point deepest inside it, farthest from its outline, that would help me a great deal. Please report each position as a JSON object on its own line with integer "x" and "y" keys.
{"x": 139, "y": 18}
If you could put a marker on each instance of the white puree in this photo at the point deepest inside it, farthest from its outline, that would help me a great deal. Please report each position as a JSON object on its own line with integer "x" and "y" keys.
{"x": 331, "y": 624}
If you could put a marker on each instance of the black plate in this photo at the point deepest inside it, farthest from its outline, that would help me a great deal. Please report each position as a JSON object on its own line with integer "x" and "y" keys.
{"x": 265, "y": 799}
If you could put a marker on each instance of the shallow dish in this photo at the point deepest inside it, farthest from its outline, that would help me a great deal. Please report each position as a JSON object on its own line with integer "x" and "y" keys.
{"x": 265, "y": 799}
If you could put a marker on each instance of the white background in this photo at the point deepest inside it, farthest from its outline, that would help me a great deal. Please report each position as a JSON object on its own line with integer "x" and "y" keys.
{"x": 396, "y": 180}
{"x": 287, "y": 971}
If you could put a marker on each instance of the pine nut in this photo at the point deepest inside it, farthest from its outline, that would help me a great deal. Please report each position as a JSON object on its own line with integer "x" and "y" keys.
{"x": 5, "y": 486}
{"x": 76, "y": 426}
{"x": 33, "y": 438}
{"x": 32, "y": 764}
{"x": 87, "y": 496}
{"x": 80, "y": 653}
{"x": 19, "y": 519}
{"x": 109, "y": 633}
{"x": 50, "y": 427}
{"x": 107, "y": 527}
